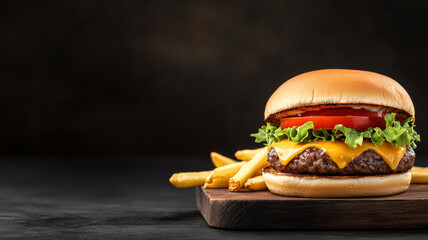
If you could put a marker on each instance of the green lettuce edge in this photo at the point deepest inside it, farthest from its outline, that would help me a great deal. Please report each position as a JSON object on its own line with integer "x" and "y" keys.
{"x": 397, "y": 133}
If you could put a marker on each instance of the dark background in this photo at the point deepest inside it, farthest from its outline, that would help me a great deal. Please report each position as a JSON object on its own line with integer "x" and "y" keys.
{"x": 184, "y": 77}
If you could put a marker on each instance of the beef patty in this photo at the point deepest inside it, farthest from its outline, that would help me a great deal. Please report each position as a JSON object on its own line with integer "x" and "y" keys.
{"x": 316, "y": 161}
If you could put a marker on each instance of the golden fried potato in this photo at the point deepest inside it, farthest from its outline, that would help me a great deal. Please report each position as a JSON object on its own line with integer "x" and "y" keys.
{"x": 247, "y": 154}
{"x": 222, "y": 182}
{"x": 256, "y": 184}
{"x": 189, "y": 179}
{"x": 217, "y": 178}
{"x": 258, "y": 162}
{"x": 419, "y": 175}
{"x": 220, "y": 160}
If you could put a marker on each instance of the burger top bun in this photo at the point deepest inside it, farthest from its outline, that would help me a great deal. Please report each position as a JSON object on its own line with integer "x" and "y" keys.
{"x": 359, "y": 89}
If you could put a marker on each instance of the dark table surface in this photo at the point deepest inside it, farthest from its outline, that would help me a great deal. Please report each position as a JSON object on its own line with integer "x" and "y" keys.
{"x": 122, "y": 198}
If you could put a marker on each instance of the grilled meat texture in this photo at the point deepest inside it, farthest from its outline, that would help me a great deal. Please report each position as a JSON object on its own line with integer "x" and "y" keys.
{"x": 316, "y": 162}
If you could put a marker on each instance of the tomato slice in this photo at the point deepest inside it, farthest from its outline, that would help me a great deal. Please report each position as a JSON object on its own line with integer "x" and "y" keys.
{"x": 328, "y": 122}
{"x": 342, "y": 112}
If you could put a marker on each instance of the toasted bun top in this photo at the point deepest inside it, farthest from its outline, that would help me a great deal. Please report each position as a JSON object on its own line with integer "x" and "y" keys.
{"x": 356, "y": 88}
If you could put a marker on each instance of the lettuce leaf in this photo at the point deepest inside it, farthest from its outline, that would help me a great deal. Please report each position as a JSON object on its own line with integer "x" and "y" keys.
{"x": 396, "y": 133}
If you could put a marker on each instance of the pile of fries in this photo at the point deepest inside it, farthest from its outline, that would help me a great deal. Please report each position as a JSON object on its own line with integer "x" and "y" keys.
{"x": 235, "y": 174}
{"x": 229, "y": 173}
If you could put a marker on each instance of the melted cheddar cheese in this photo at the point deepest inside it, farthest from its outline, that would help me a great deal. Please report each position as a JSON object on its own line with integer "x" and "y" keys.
{"x": 339, "y": 152}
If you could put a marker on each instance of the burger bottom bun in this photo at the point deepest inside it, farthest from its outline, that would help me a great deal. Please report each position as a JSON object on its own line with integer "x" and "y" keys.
{"x": 297, "y": 185}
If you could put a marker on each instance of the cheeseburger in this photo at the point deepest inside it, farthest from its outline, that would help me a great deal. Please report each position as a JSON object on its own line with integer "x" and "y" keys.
{"x": 339, "y": 133}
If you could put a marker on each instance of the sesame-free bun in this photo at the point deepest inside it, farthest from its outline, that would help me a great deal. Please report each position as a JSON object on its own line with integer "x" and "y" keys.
{"x": 338, "y": 87}
{"x": 296, "y": 185}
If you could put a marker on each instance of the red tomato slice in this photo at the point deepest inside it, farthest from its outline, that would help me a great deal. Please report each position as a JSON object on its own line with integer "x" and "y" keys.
{"x": 328, "y": 122}
{"x": 342, "y": 112}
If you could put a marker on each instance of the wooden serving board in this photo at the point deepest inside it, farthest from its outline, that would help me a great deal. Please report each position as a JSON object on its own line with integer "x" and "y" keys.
{"x": 264, "y": 210}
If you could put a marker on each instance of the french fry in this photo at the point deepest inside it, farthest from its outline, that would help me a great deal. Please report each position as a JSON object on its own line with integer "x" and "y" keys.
{"x": 220, "y": 175}
{"x": 247, "y": 154}
{"x": 258, "y": 173}
{"x": 258, "y": 162}
{"x": 218, "y": 183}
{"x": 220, "y": 160}
{"x": 256, "y": 184}
{"x": 419, "y": 174}
{"x": 424, "y": 169}
{"x": 189, "y": 179}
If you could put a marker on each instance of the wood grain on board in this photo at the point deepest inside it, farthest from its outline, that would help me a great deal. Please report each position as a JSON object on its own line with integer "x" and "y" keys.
{"x": 264, "y": 210}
